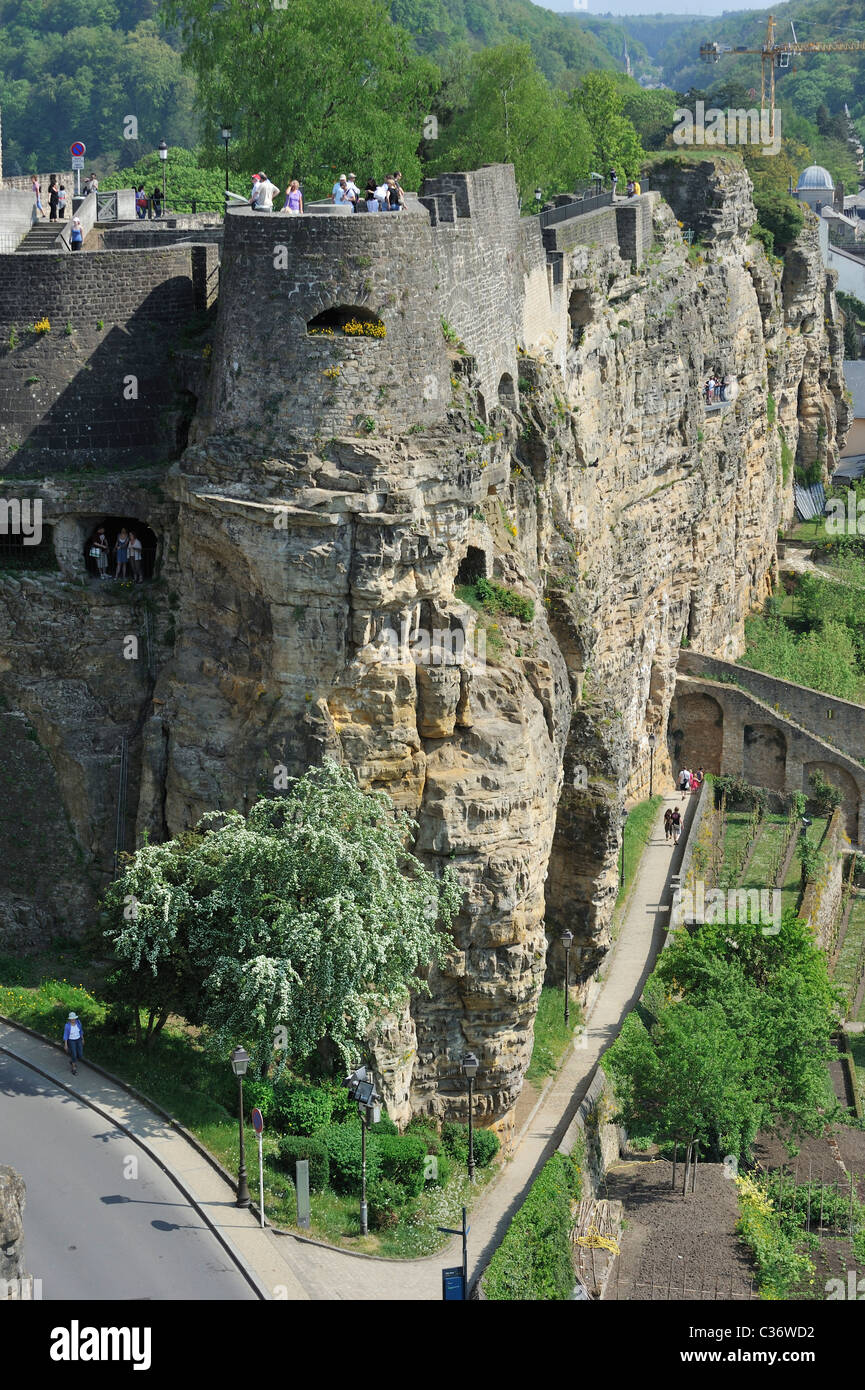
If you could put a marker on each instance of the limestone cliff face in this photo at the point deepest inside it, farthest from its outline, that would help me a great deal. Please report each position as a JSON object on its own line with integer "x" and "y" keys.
{"x": 591, "y": 480}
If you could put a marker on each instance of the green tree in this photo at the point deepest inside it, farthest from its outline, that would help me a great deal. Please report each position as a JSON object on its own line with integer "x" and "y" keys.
{"x": 310, "y": 88}
{"x": 615, "y": 142}
{"x": 309, "y": 914}
{"x": 507, "y": 112}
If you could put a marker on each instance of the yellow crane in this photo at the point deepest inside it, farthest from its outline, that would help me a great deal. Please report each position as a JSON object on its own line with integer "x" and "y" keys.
{"x": 777, "y": 53}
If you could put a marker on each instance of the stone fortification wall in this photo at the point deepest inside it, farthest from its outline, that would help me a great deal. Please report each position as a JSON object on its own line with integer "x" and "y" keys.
{"x": 272, "y": 381}
{"x": 478, "y": 242}
{"x": 838, "y": 722}
{"x": 95, "y": 391}
{"x": 16, "y": 218}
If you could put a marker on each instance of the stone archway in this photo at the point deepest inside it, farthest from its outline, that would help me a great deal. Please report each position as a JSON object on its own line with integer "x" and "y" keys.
{"x": 764, "y": 756}
{"x": 697, "y": 733}
{"x": 841, "y": 778}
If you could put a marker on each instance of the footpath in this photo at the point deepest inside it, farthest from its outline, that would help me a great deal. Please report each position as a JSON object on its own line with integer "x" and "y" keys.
{"x": 289, "y": 1267}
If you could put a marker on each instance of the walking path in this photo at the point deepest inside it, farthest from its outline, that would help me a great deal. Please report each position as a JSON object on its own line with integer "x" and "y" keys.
{"x": 287, "y": 1266}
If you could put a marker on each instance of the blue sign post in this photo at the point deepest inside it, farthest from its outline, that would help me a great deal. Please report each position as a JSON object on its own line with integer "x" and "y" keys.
{"x": 455, "y": 1282}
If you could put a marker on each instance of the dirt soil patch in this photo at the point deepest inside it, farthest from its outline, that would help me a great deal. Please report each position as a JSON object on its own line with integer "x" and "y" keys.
{"x": 677, "y": 1248}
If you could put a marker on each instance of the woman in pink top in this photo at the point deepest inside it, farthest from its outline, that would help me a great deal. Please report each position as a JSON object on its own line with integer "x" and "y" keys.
{"x": 293, "y": 198}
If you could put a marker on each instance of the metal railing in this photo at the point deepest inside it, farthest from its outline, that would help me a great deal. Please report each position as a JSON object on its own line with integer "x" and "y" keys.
{"x": 579, "y": 206}
{"x": 106, "y": 207}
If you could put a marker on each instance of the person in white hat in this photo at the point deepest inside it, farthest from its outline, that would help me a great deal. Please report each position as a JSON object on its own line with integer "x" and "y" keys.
{"x": 73, "y": 1040}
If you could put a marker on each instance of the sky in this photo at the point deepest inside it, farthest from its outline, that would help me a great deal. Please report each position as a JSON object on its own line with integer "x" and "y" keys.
{"x": 692, "y": 8}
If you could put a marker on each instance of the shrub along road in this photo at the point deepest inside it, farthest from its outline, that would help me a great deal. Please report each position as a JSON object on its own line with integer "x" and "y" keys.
{"x": 285, "y": 1266}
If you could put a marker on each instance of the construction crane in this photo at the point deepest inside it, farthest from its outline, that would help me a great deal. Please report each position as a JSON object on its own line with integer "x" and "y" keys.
{"x": 777, "y": 53}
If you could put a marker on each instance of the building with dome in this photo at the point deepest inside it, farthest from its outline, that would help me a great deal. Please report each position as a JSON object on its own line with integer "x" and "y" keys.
{"x": 815, "y": 186}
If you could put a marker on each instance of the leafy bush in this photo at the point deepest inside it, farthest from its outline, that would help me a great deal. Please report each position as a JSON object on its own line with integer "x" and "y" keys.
{"x": 303, "y": 1109}
{"x": 740, "y": 793}
{"x": 384, "y": 1198}
{"x": 344, "y": 1108}
{"x": 384, "y": 1126}
{"x": 401, "y": 1159}
{"x": 486, "y": 1146}
{"x": 430, "y": 1137}
{"x": 257, "y": 1092}
{"x": 343, "y": 1145}
{"x": 825, "y": 794}
{"x": 455, "y": 1140}
{"x": 443, "y": 1171}
{"x": 293, "y": 1147}
{"x": 533, "y": 1262}
{"x": 780, "y": 215}
{"x": 765, "y": 237}
{"x": 495, "y": 598}
{"x": 779, "y": 1265}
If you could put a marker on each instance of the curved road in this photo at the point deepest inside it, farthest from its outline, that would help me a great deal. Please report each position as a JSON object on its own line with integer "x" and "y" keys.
{"x": 90, "y": 1232}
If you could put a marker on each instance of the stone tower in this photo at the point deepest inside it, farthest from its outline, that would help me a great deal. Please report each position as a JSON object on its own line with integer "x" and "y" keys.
{"x": 284, "y": 370}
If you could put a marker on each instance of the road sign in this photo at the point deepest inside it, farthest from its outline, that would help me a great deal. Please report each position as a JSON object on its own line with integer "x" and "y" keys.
{"x": 453, "y": 1285}
{"x": 257, "y": 1121}
{"x": 78, "y": 149}
{"x": 78, "y": 161}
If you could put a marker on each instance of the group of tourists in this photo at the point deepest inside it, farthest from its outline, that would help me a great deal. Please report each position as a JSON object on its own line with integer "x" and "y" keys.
{"x": 673, "y": 824}
{"x": 690, "y": 781}
{"x": 127, "y": 550}
{"x": 386, "y": 196}
{"x": 632, "y": 187}
{"x": 718, "y": 389}
{"x": 148, "y": 203}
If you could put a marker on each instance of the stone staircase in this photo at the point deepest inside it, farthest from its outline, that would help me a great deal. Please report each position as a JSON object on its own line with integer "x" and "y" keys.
{"x": 41, "y": 237}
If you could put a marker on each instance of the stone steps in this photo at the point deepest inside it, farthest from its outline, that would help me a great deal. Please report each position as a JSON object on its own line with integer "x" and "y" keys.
{"x": 41, "y": 237}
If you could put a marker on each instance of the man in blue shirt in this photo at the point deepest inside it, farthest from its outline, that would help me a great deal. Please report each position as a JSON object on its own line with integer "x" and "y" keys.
{"x": 340, "y": 191}
{"x": 73, "y": 1040}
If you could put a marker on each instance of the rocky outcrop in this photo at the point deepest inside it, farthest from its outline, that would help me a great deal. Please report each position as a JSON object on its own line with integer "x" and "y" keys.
{"x": 11, "y": 1230}
{"x": 598, "y": 488}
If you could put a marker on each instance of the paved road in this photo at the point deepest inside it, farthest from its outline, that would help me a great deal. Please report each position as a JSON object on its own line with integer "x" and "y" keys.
{"x": 90, "y": 1232}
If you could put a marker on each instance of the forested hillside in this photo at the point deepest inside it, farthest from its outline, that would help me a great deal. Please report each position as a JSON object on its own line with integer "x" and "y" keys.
{"x": 76, "y": 69}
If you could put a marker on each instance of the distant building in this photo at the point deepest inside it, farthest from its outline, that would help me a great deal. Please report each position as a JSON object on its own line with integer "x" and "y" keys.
{"x": 854, "y": 448}
{"x": 815, "y": 186}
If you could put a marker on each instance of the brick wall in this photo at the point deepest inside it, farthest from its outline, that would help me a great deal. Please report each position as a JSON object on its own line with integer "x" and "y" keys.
{"x": 102, "y": 393}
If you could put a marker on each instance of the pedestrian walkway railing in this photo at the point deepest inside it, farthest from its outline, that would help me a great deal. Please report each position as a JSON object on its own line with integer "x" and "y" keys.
{"x": 106, "y": 207}
{"x": 576, "y": 208}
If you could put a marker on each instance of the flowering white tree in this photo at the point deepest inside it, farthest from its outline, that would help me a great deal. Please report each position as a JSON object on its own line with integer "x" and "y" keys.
{"x": 308, "y": 915}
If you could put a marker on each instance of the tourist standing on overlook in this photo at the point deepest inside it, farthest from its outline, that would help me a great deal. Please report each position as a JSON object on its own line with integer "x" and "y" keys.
{"x": 61, "y": 202}
{"x": 141, "y": 202}
{"x": 395, "y": 200}
{"x": 265, "y": 194}
{"x": 293, "y": 198}
{"x": 614, "y": 179}
{"x": 156, "y": 200}
{"x": 352, "y": 191}
{"x": 372, "y": 203}
{"x": 53, "y": 197}
{"x": 339, "y": 193}
{"x": 76, "y": 236}
{"x": 381, "y": 195}
{"x": 37, "y": 194}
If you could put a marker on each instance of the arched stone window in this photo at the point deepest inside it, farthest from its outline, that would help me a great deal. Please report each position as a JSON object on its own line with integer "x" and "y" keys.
{"x": 347, "y": 320}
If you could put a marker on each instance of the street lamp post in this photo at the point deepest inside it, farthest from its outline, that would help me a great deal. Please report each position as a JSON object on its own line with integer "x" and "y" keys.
{"x": 567, "y": 938}
{"x": 361, "y": 1088}
{"x": 239, "y": 1063}
{"x": 163, "y": 155}
{"x": 622, "y": 871}
{"x": 470, "y": 1066}
{"x": 226, "y": 136}
{"x": 539, "y": 195}
{"x": 652, "y": 741}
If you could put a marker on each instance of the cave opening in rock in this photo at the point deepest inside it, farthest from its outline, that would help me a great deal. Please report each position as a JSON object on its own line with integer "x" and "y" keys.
{"x": 350, "y": 320}
{"x": 579, "y": 313}
{"x": 507, "y": 391}
{"x": 473, "y": 566}
{"x": 113, "y": 527}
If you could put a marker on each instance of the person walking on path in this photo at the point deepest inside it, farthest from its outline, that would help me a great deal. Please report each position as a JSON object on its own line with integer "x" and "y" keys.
{"x": 37, "y": 194}
{"x": 668, "y": 823}
{"x": 676, "y": 823}
{"x": 73, "y": 1040}
{"x": 684, "y": 782}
